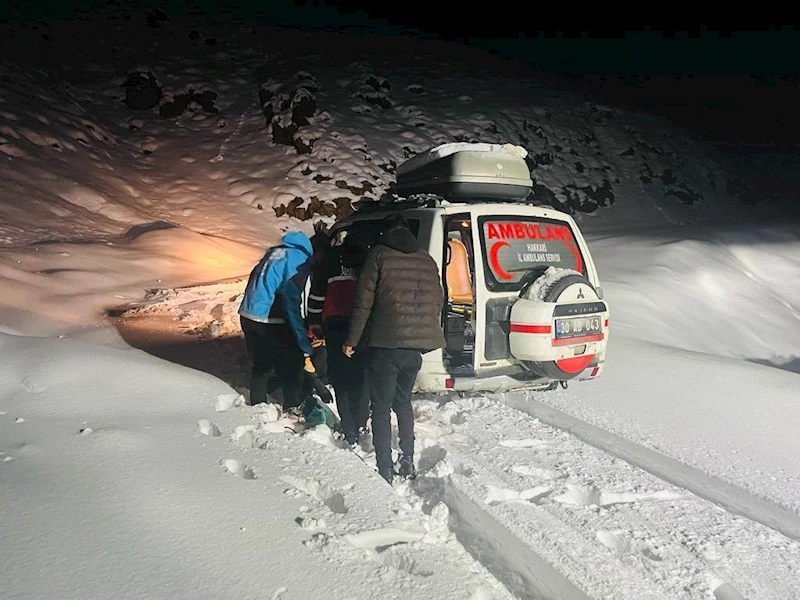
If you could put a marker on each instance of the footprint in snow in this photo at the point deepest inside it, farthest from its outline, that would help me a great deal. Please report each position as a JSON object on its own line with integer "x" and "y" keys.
{"x": 621, "y": 545}
{"x": 328, "y": 496}
{"x": 311, "y": 524}
{"x": 538, "y": 472}
{"x": 208, "y": 428}
{"x": 238, "y": 468}
{"x": 225, "y": 402}
{"x": 399, "y": 560}
{"x": 527, "y": 443}
{"x": 381, "y": 539}
{"x": 459, "y": 418}
{"x": 497, "y": 495}
{"x": 430, "y": 457}
{"x": 243, "y": 434}
{"x": 584, "y": 495}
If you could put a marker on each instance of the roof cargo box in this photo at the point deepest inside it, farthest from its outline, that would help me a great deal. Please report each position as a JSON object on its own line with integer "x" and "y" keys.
{"x": 463, "y": 171}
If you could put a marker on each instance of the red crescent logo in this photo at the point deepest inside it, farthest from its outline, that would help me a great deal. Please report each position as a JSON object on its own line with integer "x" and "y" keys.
{"x": 576, "y": 253}
{"x": 496, "y": 263}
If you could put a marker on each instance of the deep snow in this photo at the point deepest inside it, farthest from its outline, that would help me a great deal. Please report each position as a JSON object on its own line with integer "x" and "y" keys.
{"x": 153, "y": 483}
{"x": 129, "y": 476}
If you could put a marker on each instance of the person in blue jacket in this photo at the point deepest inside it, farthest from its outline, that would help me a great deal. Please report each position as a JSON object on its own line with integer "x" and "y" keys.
{"x": 272, "y": 320}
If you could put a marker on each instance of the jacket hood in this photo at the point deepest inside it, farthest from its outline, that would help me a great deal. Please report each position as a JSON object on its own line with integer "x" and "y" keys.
{"x": 400, "y": 239}
{"x": 299, "y": 241}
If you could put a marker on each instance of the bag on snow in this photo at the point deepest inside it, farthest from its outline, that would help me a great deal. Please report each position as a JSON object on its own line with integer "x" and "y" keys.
{"x": 317, "y": 412}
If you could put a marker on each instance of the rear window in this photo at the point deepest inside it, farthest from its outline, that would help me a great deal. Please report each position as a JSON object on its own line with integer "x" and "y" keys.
{"x": 369, "y": 232}
{"x": 512, "y": 246}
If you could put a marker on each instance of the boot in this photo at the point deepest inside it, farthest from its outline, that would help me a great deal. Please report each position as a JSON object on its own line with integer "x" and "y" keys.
{"x": 351, "y": 438}
{"x": 365, "y": 440}
{"x": 405, "y": 467}
{"x": 387, "y": 475}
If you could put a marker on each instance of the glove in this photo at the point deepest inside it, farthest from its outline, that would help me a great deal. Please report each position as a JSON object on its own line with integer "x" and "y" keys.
{"x": 319, "y": 388}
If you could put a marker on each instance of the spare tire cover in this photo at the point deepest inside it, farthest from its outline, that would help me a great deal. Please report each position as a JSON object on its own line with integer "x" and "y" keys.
{"x": 554, "y": 285}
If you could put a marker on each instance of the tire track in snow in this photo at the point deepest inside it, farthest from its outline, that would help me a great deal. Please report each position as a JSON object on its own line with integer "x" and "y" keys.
{"x": 638, "y": 541}
{"x": 722, "y": 493}
{"x": 527, "y": 575}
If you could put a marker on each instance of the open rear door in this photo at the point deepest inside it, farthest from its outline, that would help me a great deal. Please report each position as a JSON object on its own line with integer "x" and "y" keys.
{"x": 458, "y": 277}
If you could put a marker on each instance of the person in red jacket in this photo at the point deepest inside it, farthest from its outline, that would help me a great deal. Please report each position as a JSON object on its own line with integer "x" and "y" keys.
{"x": 330, "y": 306}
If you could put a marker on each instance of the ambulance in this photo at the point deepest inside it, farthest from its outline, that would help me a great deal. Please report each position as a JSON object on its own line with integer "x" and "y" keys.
{"x": 524, "y": 308}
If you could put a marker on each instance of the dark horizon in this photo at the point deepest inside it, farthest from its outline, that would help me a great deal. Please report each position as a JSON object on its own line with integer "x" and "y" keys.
{"x": 732, "y": 86}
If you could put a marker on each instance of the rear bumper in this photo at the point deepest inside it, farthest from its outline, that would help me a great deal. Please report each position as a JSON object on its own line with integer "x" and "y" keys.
{"x": 497, "y": 383}
{"x": 516, "y": 381}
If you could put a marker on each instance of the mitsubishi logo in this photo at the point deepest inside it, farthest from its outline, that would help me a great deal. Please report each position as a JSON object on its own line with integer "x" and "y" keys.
{"x": 580, "y": 294}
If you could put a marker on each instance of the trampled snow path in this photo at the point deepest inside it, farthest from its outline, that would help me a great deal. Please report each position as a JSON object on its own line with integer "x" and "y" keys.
{"x": 347, "y": 514}
{"x": 610, "y": 530}
{"x": 548, "y": 515}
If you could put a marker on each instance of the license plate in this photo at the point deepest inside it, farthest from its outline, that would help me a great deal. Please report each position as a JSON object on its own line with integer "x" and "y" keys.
{"x": 583, "y": 326}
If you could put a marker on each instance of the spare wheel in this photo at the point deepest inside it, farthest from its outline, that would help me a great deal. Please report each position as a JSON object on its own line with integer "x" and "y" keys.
{"x": 559, "y": 324}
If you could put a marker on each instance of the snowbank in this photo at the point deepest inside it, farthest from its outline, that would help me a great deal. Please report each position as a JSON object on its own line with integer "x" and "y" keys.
{"x": 59, "y": 287}
{"x": 728, "y": 290}
{"x": 126, "y": 476}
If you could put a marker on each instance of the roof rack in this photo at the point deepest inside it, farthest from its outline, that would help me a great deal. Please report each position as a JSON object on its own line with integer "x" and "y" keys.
{"x": 399, "y": 203}
{"x": 394, "y": 202}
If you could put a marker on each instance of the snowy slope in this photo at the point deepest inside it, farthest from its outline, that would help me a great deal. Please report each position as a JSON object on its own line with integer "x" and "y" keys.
{"x": 244, "y": 117}
{"x": 130, "y": 120}
{"x": 724, "y": 290}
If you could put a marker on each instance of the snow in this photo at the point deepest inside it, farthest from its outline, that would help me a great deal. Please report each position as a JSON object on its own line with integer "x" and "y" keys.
{"x": 728, "y": 290}
{"x": 611, "y": 529}
{"x": 445, "y": 150}
{"x": 542, "y": 285}
{"x": 673, "y": 475}
{"x": 156, "y": 500}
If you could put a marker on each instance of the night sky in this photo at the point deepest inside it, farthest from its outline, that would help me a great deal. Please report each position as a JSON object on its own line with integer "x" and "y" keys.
{"x": 734, "y": 86}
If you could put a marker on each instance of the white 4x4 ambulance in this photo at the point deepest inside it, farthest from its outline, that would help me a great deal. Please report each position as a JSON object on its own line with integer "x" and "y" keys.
{"x": 524, "y": 306}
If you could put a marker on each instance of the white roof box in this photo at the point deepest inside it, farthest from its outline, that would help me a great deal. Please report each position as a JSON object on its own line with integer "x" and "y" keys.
{"x": 462, "y": 170}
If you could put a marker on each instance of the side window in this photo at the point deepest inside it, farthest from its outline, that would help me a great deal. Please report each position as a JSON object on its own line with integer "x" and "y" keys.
{"x": 459, "y": 260}
{"x": 459, "y": 229}
{"x": 369, "y": 232}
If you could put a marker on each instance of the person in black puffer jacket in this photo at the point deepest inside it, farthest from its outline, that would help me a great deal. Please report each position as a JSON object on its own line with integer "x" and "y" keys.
{"x": 399, "y": 303}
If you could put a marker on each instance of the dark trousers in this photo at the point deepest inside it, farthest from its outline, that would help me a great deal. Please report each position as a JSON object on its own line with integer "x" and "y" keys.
{"x": 273, "y": 346}
{"x": 347, "y": 377}
{"x": 390, "y": 377}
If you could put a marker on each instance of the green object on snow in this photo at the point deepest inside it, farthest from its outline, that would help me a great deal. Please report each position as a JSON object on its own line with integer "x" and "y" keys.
{"x": 317, "y": 412}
